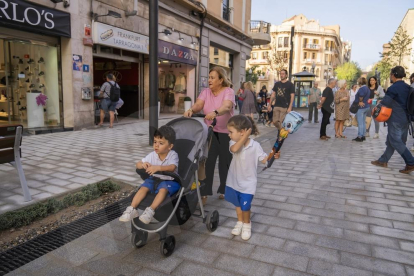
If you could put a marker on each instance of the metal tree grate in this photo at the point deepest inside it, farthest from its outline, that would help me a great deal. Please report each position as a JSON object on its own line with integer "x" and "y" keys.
{"x": 41, "y": 245}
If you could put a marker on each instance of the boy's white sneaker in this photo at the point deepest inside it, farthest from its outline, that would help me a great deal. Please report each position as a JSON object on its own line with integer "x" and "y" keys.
{"x": 237, "y": 229}
{"x": 147, "y": 216}
{"x": 376, "y": 136}
{"x": 129, "y": 214}
{"x": 366, "y": 134}
{"x": 246, "y": 231}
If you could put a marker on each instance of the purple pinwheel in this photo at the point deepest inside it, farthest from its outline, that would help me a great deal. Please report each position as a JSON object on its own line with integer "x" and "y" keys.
{"x": 41, "y": 99}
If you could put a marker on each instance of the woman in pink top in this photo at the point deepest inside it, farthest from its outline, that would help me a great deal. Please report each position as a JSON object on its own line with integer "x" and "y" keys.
{"x": 217, "y": 101}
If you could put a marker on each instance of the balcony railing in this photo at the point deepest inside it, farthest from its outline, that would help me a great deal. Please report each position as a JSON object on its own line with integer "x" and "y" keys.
{"x": 328, "y": 62}
{"x": 259, "y": 27}
{"x": 226, "y": 12}
{"x": 329, "y": 49}
{"x": 312, "y": 46}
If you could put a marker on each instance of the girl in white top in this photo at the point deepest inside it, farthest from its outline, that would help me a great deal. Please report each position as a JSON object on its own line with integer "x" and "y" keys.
{"x": 242, "y": 176}
{"x": 352, "y": 94}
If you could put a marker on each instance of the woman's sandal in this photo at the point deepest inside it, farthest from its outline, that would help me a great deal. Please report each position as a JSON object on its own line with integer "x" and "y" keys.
{"x": 337, "y": 136}
{"x": 342, "y": 136}
{"x": 221, "y": 196}
{"x": 204, "y": 200}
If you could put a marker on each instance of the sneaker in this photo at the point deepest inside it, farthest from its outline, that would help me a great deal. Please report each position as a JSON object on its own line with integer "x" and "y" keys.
{"x": 407, "y": 169}
{"x": 363, "y": 138}
{"x": 358, "y": 139}
{"x": 379, "y": 164}
{"x": 129, "y": 214}
{"x": 376, "y": 136}
{"x": 237, "y": 229}
{"x": 366, "y": 134}
{"x": 147, "y": 216}
{"x": 246, "y": 231}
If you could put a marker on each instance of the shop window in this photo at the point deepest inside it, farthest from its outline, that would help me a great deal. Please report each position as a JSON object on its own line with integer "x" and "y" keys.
{"x": 130, "y": 54}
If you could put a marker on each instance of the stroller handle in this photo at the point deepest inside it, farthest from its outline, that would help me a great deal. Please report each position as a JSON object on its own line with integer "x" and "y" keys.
{"x": 213, "y": 124}
{"x": 144, "y": 175}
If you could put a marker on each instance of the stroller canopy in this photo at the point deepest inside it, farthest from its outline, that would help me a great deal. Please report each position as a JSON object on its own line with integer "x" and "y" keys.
{"x": 193, "y": 129}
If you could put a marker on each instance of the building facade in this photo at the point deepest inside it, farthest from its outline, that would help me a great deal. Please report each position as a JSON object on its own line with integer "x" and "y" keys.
{"x": 62, "y": 53}
{"x": 315, "y": 48}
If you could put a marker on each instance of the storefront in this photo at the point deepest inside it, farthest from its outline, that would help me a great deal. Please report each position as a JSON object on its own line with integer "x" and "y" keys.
{"x": 121, "y": 53}
{"x": 30, "y": 72}
{"x": 303, "y": 82}
{"x": 176, "y": 76}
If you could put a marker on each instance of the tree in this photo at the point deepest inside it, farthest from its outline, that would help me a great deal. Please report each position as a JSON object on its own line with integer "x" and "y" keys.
{"x": 399, "y": 48}
{"x": 277, "y": 59}
{"x": 251, "y": 74}
{"x": 349, "y": 71}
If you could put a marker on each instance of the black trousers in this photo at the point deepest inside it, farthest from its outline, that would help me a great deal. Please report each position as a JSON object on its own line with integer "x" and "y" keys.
{"x": 219, "y": 148}
{"x": 325, "y": 121}
{"x": 313, "y": 108}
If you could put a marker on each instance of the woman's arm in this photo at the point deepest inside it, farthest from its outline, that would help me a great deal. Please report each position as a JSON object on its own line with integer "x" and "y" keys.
{"x": 337, "y": 99}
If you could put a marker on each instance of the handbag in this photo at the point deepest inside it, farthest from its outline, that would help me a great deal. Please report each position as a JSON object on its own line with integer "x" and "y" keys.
{"x": 367, "y": 121}
{"x": 354, "y": 108}
{"x": 348, "y": 122}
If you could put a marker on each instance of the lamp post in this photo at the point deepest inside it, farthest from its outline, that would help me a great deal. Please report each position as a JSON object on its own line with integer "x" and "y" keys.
{"x": 153, "y": 69}
{"x": 313, "y": 67}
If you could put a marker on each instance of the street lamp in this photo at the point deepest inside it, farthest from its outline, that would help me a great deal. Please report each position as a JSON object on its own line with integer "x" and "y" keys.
{"x": 95, "y": 17}
{"x": 313, "y": 67}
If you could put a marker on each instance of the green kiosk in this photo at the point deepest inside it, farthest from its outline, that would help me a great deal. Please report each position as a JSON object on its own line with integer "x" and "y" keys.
{"x": 303, "y": 82}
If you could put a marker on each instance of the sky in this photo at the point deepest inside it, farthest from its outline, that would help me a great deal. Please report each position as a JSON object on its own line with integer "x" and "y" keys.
{"x": 368, "y": 24}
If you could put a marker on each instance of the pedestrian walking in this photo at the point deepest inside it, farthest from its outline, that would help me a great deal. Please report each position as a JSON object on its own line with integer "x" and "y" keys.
{"x": 242, "y": 176}
{"x": 396, "y": 98}
{"x": 352, "y": 94}
{"x": 314, "y": 98}
{"x": 362, "y": 98}
{"x": 327, "y": 107}
{"x": 341, "y": 108}
{"x": 106, "y": 105}
{"x": 249, "y": 103}
{"x": 283, "y": 93}
{"x": 376, "y": 94}
{"x": 412, "y": 85}
{"x": 217, "y": 102}
{"x": 263, "y": 94}
{"x": 240, "y": 96}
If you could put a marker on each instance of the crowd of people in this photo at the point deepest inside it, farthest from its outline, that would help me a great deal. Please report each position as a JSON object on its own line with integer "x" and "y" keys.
{"x": 238, "y": 154}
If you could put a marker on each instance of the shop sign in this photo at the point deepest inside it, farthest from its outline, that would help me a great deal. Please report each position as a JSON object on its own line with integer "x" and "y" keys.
{"x": 177, "y": 53}
{"x": 27, "y": 16}
{"x": 119, "y": 38}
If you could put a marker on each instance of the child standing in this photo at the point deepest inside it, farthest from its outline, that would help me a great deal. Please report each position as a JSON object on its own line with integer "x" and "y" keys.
{"x": 163, "y": 158}
{"x": 242, "y": 177}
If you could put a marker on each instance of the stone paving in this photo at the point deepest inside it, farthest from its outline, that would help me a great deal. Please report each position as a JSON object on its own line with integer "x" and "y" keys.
{"x": 322, "y": 209}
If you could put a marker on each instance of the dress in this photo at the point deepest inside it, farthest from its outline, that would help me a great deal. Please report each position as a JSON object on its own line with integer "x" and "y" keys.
{"x": 248, "y": 103}
{"x": 341, "y": 108}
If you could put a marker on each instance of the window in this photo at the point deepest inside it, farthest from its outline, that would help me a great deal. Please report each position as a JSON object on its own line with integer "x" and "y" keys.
{"x": 216, "y": 51}
{"x": 313, "y": 55}
{"x": 226, "y": 10}
{"x": 216, "y": 60}
{"x": 305, "y": 55}
{"x": 280, "y": 42}
{"x": 286, "y": 42}
{"x": 305, "y": 42}
{"x": 285, "y": 55}
{"x": 316, "y": 41}
{"x": 254, "y": 55}
{"x": 317, "y": 73}
{"x": 265, "y": 54}
{"x": 326, "y": 45}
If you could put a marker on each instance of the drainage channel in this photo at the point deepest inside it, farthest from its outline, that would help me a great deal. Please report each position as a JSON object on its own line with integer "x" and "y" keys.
{"x": 41, "y": 245}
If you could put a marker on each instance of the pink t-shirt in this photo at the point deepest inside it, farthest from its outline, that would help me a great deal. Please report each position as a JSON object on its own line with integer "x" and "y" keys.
{"x": 212, "y": 102}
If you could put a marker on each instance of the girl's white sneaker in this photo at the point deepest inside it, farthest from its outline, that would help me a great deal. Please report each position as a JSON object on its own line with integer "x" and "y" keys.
{"x": 237, "y": 229}
{"x": 246, "y": 231}
{"x": 376, "y": 136}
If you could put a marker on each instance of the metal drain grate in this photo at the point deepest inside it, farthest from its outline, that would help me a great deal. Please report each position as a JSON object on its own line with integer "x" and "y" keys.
{"x": 41, "y": 245}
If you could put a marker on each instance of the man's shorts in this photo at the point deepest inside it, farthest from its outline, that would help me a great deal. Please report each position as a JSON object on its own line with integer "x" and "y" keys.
{"x": 171, "y": 186}
{"x": 244, "y": 201}
{"x": 279, "y": 114}
{"x": 108, "y": 105}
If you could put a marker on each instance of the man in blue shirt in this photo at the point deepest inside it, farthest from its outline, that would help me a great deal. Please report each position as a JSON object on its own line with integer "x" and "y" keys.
{"x": 396, "y": 98}
{"x": 362, "y": 98}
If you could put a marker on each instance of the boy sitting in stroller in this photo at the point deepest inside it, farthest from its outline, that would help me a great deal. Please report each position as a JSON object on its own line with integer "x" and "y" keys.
{"x": 161, "y": 159}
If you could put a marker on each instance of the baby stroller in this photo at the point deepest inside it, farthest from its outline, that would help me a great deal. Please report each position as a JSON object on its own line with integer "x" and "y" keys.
{"x": 191, "y": 145}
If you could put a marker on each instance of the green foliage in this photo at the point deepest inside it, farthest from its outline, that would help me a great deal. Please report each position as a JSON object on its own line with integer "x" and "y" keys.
{"x": 253, "y": 76}
{"x": 27, "y": 215}
{"x": 349, "y": 71}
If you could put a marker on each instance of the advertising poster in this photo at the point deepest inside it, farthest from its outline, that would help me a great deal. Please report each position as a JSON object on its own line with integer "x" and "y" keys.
{"x": 77, "y": 62}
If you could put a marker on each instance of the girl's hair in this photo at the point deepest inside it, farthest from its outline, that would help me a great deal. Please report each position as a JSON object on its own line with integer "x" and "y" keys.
{"x": 240, "y": 122}
{"x": 376, "y": 82}
{"x": 249, "y": 86}
{"x": 222, "y": 75}
{"x": 362, "y": 81}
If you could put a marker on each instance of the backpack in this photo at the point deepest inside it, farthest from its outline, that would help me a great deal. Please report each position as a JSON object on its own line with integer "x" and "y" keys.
{"x": 410, "y": 104}
{"x": 114, "y": 93}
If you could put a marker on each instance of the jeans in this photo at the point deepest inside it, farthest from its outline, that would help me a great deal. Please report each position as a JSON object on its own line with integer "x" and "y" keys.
{"x": 361, "y": 115}
{"x": 377, "y": 125}
{"x": 240, "y": 104}
{"x": 396, "y": 139}
{"x": 325, "y": 121}
{"x": 313, "y": 107}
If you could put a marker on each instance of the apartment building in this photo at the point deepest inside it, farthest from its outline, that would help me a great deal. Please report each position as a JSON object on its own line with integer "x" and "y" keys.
{"x": 316, "y": 48}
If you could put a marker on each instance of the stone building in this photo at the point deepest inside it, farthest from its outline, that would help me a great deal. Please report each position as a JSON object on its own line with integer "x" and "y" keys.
{"x": 64, "y": 51}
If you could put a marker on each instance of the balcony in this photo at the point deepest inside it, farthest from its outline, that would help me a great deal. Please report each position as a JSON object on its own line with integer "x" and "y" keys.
{"x": 260, "y": 32}
{"x": 310, "y": 61}
{"x": 316, "y": 47}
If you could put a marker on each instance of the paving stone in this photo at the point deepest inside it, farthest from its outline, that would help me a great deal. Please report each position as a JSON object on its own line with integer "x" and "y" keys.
{"x": 243, "y": 266}
{"x": 82, "y": 181}
{"x": 227, "y": 246}
{"x": 287, "y": 223}
{"x": 108, "y": 245}
{"x": 125, "y": 178}
{"x": 305, "y": 202}
{"x": 109, "y": 266}
{"x": 271, "y": 197}
{"x": 74, "y": 254}
{"x": 391, "y": 215}
{"x": 297, "y": 216}
{"x": 393, "y": 255}
{"x": 344, "y": 245}
{"x": 346, "y": 208}
{"x": 191, "y": 268}
{"x": 401, "y": 198}
{"x": 281, "y": 271}
{"x": 312, "y": 251}
{"x": 323, "y": 212}
{"x": 394, "y": 233}
{"x": 290, "y": 194}
{"x": 319, "y": 229}
{"x": 410, "y": 271}
{"x": 196, "y": 254}
{"x": 326, "y": 199}
{"x": 407, "y": 246}
{"x": 264, "y": 210}
{"x": 256, "y": 227}
{"x": 291, "y": 234}
{"x": 372, "y": 264}
{"x": 58, "y": 182}
{"x": 61, "y": 176}
{"x": 370, "y": 205}
{"x": 263, "y": 240}
{"x": 275, "y": 257}
{"x": 369, "y": 220}
{"x": 345, "y": 224}
{"x": 53, "y": 189}
{"x": 222, "y": 232}
{"x": 370, "y": 239}
{"x": 191, "y": 238}
{"x": 403, "y": 225}
{"x": 322, "y": 268}
{"x": 283, "y": 206}
{"x": 398, "y": 209}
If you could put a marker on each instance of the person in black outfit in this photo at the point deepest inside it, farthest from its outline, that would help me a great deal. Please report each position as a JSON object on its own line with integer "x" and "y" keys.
{"x": 326, "y": 107}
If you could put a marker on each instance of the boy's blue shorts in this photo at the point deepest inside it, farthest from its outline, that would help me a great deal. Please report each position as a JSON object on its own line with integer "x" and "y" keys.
{"x": 171, "y": 186}
{"x": 244, "y": 201}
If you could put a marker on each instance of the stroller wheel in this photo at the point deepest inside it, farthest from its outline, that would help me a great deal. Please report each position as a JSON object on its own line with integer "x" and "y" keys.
{"x": 139, "y": 239}
{"x": 167, "y": 246}
{"x": 212, "y": 221}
